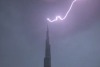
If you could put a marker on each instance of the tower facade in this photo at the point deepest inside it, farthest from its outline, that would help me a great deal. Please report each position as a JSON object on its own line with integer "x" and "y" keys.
{"x": 47, "y": 59}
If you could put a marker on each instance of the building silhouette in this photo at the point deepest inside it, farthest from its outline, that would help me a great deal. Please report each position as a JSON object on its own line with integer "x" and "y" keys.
{"x": 47, "y": 58}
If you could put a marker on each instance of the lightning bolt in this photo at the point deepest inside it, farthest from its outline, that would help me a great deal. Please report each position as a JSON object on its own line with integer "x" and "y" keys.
{"x": 59, "y": 17}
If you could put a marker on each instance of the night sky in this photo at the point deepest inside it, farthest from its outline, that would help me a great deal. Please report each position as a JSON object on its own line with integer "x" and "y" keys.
{"x": 75, "y": 42}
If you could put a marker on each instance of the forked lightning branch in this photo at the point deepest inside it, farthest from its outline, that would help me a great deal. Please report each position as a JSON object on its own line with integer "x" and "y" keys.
{"x": 59, "y": 17}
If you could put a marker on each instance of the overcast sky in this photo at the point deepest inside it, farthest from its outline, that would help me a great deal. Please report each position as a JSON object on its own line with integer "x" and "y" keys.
{"x": 75, "y": 42}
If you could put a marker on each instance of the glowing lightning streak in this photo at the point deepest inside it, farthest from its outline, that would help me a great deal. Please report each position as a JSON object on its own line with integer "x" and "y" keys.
{"x": 58, "y": 17}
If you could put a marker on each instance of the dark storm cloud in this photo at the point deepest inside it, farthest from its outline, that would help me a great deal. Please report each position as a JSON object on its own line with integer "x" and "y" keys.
{"x": 74, "y": 42}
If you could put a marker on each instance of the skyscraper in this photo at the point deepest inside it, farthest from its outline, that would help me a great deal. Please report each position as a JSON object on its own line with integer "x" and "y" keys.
{"x": 47, "y": 59}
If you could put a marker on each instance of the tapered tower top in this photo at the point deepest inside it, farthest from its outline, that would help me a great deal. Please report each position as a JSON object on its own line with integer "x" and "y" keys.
{"x": 47, "y": 59}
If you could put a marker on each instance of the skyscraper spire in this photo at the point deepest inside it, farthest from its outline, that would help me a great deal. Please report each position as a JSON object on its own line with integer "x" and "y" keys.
{"x": 47, "y": 59}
